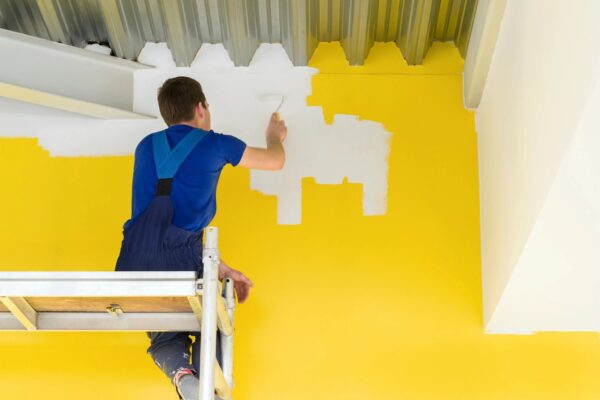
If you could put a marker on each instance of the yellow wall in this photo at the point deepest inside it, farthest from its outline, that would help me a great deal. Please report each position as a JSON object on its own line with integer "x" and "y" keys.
{"x": 345, "y": 306}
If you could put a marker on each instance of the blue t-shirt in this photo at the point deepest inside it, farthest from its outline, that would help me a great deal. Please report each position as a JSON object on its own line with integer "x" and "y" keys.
{"x": 193, "y": 192}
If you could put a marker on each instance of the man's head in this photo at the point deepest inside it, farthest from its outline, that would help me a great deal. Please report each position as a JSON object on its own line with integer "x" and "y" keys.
{"x": 181, "y": 101}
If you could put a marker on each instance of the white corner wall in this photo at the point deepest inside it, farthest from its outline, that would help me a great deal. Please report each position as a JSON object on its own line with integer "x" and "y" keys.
{"x": 486, "y": 26}
{"x": 538, "y": 144}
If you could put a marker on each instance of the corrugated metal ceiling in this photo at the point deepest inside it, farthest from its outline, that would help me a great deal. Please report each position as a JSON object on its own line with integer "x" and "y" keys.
{"x": 241, "y": 25}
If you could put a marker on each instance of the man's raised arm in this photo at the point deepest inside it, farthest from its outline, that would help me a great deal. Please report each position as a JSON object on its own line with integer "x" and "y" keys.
{"x": 273, "y": 157}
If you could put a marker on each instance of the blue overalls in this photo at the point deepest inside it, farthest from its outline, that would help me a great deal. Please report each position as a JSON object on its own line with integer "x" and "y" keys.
{"x": 153, "y": 243}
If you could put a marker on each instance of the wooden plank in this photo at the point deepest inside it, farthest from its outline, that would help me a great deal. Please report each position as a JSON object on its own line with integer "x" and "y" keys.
{"x": 99, "y": 304}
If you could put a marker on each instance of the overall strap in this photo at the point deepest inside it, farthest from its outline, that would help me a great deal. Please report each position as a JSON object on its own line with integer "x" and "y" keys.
{"x": 168, "y": 161}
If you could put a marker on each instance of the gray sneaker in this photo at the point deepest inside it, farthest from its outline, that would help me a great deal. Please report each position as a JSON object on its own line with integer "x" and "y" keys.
{"x": 189, "y": 387}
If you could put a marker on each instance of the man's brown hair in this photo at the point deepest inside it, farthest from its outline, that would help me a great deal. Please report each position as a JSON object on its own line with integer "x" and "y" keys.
{"x": 178, "y": 97}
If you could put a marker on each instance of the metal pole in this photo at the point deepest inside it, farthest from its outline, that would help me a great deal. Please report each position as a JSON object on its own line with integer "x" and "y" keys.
{"x": 208, "y": 341}
{"x": 227, "y": 341}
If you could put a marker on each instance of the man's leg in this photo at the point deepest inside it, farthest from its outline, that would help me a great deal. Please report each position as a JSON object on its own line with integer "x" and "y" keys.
{"x": 171, "y": 353}
{"x": 196, "y": 351}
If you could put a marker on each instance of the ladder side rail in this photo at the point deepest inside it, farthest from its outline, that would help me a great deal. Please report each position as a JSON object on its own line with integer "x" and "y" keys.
{"x": 208, "y": 338}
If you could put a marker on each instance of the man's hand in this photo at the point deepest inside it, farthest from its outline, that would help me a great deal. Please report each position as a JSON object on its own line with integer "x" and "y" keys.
{"x": 241, "y": 283}
{"x": 276, "y": 130}
{"x": 273, "y": 157}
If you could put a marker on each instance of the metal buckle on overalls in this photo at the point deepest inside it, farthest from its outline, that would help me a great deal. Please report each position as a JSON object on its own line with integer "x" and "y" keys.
{"x": 163, "y": 187}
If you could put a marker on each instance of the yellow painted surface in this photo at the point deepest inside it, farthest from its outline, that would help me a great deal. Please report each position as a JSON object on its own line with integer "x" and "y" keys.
{"x": 345, "y": 306}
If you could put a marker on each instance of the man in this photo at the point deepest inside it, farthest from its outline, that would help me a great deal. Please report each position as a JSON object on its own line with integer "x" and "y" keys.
{"x": 175, "y": 178}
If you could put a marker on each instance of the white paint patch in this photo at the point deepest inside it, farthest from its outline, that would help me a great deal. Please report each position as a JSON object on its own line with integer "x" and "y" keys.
{"x": 72, "y": 135}
{"x": 271, "y": 57}
{"x": 157, "y": 55}
{"x": 212, "y": 56}
{"x": 98, "y": 48}
{"x": 348, "y": 148}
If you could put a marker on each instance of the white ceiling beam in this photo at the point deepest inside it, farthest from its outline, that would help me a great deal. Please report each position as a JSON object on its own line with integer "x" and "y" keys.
{"x": 65, "y": 103}
{"x": 51, "y": 74}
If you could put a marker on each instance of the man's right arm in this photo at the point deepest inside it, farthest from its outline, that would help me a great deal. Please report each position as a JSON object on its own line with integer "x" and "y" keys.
{"x": 273, "y": 157}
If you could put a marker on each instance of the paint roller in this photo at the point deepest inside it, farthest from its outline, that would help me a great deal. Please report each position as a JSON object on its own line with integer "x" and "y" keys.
{"x": 275, "y": 98}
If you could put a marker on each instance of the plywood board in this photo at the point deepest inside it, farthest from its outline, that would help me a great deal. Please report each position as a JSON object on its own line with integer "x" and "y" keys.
{"x": 99, "y": 304}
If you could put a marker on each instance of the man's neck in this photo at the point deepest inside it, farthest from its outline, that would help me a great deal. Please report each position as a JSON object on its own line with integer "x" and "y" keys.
{"x": 186, "y": 123}
{"x": 192, "y": 124}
